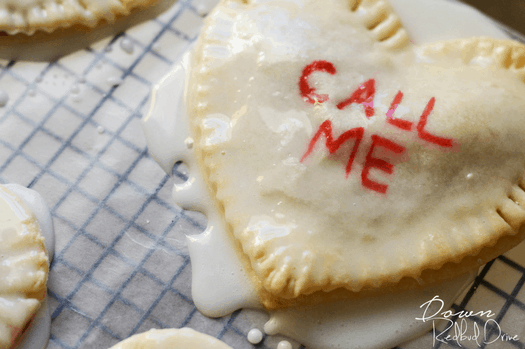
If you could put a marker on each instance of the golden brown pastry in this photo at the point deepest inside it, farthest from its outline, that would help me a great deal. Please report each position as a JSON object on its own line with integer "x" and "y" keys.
{"x": 28, "y": 16}
{"x": 23, "y": 268}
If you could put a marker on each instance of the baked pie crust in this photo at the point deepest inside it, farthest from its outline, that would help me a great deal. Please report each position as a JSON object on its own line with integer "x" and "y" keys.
{"x": 28, "y": 16}
{"x": 345, "y": 157}
{"x": 184, "y": 338}
{"x": 23, "y": 268}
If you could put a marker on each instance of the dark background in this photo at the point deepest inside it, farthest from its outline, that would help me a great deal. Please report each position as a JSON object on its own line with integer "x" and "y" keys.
{"x": 508, "y": 12}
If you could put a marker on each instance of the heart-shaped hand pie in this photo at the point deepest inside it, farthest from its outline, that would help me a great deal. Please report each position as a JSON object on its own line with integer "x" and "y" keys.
{"x": 343, "y": 156}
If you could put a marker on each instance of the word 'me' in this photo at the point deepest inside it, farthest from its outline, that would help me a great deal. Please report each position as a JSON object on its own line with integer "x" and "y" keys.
{"x": 364, "y": 95}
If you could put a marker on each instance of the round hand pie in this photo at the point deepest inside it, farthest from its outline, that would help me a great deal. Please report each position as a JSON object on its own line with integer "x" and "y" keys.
{"x": 184, "y": 338}
{"x": 23, "y": 268}
{"x": 345, "y": 157}
{"x": 27, "y": 16}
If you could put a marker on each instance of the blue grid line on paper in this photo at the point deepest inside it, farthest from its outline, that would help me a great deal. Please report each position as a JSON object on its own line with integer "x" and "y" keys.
{"x": 117, "y": 293}
{"x": 55, "y": 310}
{"x": 139, "y": 44}
{"x": 165, "y": 289}
{"x": 72, "y": 307}
{"x": 98, "y": 324}
{"x": 35, "y": 130}
{"x": 5, "y": 68}
{"x": 42, "y": 123}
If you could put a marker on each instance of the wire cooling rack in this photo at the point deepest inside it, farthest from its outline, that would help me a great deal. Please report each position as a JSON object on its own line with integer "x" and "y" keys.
{"x": 71, "y": 131}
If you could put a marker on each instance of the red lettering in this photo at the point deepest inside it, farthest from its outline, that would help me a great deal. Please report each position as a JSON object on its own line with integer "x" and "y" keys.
{"x": 309, "y": 92}
{"x": 380, "y": 164}
{"x": 326, "y": 129}
{"x": 363, "y": 95}
{"x": 444, "y": 142}
{"x": 402, "y": 124}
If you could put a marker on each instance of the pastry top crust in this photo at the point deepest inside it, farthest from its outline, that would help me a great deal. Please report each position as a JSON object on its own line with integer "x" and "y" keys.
{"x": 344, "y": 156}
{"x": 28, "y": 16}
{"x": 23, "y": 267}
{"x": 184, "y": 338}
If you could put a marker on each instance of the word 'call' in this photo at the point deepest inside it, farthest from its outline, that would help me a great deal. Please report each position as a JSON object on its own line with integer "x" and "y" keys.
{"x": 364, "y": 95}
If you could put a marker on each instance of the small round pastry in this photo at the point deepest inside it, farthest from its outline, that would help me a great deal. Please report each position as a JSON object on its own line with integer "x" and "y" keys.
{"x": 24, "y": 267}
{"x": 184, "y": 338}
{"x": 29, "y": 16}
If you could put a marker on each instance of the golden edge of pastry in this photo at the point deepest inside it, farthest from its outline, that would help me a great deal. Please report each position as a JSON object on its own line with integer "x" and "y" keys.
{"x": 507, "y": 54}
{"x": 35, "y": 292}
{"x": 183, "y": 338}
{"x": 506, "y": 220}
{"x": 51, "y": 15}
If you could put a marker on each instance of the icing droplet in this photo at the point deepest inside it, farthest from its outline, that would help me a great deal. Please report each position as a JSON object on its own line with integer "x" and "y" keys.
{"x": 31, "y": 92}
{"x": 108, "y": 49}
{"x": 189, "y": 142}
{"x": 469, "y": 176}
{"x": 75, "y": 89}
{"x": 203, "y": 9}
{"x": 284, "y": 345}
{"x": 4, "y": 98}
{"x": 76, "y": 98}
{"x": 38, "y": 79}
{"x": 114, "y": 81}
{"x": 126, "y": 45}
{"x": 81, "y": 79}
{"x": 156, "y": 46}
{"x": 271, "y": 326}
{"x": 255, "y": 336}
{"x": 100, "y": 129}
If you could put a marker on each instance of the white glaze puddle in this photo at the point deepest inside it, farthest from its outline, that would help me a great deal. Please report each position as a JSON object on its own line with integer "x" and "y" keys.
{"x": 38, "y": 334}
{"x": 220, "y": 284}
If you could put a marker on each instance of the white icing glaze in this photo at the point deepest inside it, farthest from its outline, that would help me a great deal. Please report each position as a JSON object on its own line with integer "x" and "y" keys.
{"x": 384, "y": 321}
{"x": 379, "y": 322}
{"x": 167, "y": 142}
{"x": 38, "y": 334}
{"x": 36, "y": 203}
